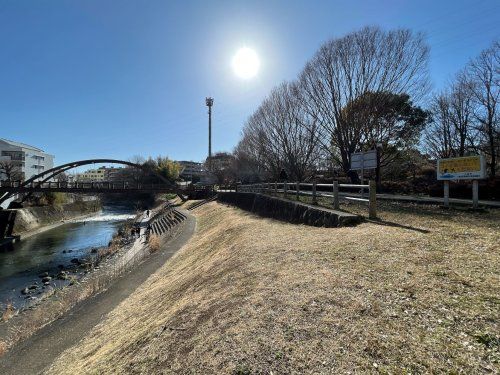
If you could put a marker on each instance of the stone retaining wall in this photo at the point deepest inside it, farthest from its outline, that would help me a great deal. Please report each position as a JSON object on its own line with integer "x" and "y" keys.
{"x": 288, "y": 210}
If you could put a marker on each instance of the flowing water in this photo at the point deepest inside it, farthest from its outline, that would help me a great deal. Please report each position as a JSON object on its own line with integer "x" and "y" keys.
{"x": 21, "y": 263}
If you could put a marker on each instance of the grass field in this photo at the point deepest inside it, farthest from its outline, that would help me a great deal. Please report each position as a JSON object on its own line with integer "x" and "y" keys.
{"x": 417, "y": 292}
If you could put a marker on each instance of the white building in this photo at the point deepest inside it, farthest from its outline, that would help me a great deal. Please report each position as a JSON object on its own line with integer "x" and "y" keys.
{"x": 100, "y": 174}
{"x": 190, "y": 169}
{"x": 25, "y": 161}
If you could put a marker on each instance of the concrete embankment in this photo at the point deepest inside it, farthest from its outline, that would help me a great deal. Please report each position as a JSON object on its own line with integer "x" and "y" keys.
{"x": 287, "y": 210}
{"x": 30, "y": 219}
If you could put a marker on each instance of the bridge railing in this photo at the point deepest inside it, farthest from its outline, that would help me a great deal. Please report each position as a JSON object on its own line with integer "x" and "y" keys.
{"x": 105, "y": 185}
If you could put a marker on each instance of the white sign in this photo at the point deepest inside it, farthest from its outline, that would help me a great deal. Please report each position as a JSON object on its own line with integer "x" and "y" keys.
{"x": 463, "y": 168}
{"x": 364, "y": 160}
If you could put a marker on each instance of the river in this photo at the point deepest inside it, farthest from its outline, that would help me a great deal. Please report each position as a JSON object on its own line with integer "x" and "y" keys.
{"x": 48, "y": 251}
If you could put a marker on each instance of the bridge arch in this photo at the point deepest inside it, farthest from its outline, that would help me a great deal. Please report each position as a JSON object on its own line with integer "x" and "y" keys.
{"x": 52, "y": 172}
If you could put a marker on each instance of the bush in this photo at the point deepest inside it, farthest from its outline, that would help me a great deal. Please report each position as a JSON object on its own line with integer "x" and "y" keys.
{"x": 154, "y": 243}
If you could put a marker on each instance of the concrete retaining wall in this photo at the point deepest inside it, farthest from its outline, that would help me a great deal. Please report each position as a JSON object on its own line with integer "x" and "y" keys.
{"x": 287, "y": 210}
{"x": 30, "y": 218}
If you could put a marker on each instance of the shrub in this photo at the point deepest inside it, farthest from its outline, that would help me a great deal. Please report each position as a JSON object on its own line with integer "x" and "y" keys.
{"x": 154, "y": 243}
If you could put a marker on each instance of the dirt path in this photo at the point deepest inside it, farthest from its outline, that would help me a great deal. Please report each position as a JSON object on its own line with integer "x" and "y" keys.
{"x": 38, "y": 352}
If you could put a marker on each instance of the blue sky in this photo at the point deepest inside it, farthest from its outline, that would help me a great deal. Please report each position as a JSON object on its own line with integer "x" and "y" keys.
{"x": 84, "y": 79}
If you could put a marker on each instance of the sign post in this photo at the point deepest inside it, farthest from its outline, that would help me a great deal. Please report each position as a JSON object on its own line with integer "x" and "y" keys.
{"x": 363, "y": 160}
{"x": 336, "y": 195}
{"x": 475, "y": 194}
{"x": 447, "y": 194}
{"x": 462, "y": 168}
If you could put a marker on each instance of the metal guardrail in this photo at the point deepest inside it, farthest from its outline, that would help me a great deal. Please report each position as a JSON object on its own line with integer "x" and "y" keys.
{"x": 122, "y": 185}
{"x": 295, "y": 188}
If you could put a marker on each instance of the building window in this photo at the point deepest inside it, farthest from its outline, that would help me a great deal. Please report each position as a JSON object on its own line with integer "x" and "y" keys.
{"x": 14, "y": 155}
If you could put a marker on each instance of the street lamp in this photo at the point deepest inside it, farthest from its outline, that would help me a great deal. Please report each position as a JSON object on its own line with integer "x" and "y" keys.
{"x": 209, "y": 102}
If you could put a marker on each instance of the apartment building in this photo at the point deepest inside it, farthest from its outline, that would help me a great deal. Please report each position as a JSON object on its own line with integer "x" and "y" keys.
{"x": 190, "y": 169}
{"x": 100, "y": 174}
{"x": 19, "y": 161}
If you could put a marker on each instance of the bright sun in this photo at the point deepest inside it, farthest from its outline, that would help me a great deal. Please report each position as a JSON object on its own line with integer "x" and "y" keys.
{"x": 246, "y": 63}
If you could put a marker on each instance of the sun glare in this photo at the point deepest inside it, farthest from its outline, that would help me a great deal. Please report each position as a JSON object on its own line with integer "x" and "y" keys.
{"x": 246, "y": 63}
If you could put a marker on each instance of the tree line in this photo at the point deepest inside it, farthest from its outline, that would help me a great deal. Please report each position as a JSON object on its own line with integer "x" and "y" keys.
{"x": 371, "y": 89}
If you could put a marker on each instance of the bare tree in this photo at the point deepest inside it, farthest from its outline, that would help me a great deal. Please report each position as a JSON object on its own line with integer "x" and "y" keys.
{"x": 280, "y": 134}
{"x": 452, "y": 131}
{"x": 439, "y": 134}
{"x": 11, "y": 170}
{"x": 369, "y": 60}
{"x": 462, "y": 113}
{"x": 484, "y": 72}
{"x": 222, "y": 167}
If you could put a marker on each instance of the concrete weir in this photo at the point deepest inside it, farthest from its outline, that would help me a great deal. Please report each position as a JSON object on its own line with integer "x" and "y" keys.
{"x": 288, "y": 210}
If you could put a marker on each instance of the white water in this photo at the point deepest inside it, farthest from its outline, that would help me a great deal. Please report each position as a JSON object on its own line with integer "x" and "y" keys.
{"x": 105, "y": 217}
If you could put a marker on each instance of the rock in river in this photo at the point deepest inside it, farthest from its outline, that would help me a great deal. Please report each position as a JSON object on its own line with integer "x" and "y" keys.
{"x": 46, "y": 279}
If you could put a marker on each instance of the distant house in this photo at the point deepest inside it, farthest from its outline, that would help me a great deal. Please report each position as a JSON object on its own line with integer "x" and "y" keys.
{"x": 27, "y": 161}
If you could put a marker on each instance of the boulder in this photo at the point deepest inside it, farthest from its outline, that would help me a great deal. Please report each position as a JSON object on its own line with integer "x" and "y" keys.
{"x": 46, "y": 279}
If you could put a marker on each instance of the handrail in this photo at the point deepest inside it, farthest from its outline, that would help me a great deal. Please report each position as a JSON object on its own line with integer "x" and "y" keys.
{"x": 286, "y": 188}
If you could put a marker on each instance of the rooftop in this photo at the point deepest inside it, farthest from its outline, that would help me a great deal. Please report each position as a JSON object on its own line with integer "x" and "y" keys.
{"x": 19, "y": 144}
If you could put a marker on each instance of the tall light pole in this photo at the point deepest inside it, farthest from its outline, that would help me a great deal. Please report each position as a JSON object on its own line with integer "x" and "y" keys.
{"x": 209, "y": 102}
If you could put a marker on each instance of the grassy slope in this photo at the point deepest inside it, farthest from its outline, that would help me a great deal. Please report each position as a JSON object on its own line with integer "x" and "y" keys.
{"x": 255, "y": 295}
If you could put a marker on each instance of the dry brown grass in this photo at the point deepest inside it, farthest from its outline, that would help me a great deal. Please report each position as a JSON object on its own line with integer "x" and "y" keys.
{"x": 154, "y": 243}
{"x": 3, "y": 348}
{"x": 9, "y": 312}
{"x": 416, "y": 293}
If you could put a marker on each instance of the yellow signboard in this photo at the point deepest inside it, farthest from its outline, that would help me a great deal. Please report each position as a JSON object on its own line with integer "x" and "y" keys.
{"x": 463, "y": 168}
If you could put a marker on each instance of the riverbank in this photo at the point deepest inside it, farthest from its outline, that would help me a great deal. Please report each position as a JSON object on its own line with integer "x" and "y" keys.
{"x": 33, "y": 220}
{"x": 414, "y": 292}
{"x": 83, "y": 278}
{"x": 36, "y": 353}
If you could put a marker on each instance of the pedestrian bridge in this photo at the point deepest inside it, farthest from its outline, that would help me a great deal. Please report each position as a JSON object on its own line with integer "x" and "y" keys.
{"x": 43, "y": 182}
{"x": 19, "y": 187}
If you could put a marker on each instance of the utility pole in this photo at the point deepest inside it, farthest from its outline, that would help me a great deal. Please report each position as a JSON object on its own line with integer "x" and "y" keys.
{"x": 209, "y": 102}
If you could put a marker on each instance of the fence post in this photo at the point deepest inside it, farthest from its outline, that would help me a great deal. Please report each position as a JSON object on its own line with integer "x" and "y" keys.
{"x": 297, "y": 186}
{"x": 475, "y": 194}
{"x": 285, "y": 189}
{"x": 336, "y": 205}
{"x": 447, "y": 194}
{"x": 372, "y": 209}
{"x": 276, "y": 188}
{"x": 314, "y": 198}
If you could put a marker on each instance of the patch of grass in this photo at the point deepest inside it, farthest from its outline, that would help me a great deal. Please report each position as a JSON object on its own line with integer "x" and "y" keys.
{"x": 488, "y": 340}
{"x": 258, "y": 296}
{"x": 154, "y": 243}
{"x": 9, "y": 312}
{"x": 242, "y": 370}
